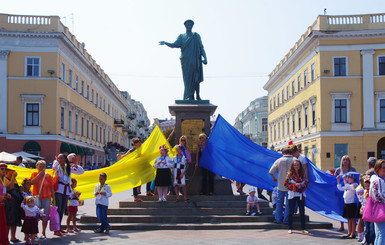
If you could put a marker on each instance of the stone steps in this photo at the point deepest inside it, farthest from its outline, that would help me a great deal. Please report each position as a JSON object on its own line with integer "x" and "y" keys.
{"x": 201, "y": 213}
{"x": 182, "y": 211}
{"x": 206, "y": 226}
{"x": 191, "y": 204}
{"x": 183, "y": 219}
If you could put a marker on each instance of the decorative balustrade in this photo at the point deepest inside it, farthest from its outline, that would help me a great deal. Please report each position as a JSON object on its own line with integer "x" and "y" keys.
{"x": 336, "y": 23}
{"x": 344, "y": 20}
{"x": 377, "y": 18}
{"x": 30, "y": 20}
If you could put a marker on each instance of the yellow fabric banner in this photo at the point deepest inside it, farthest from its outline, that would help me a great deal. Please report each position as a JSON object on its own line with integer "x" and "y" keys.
{"x": 133, "y": 170}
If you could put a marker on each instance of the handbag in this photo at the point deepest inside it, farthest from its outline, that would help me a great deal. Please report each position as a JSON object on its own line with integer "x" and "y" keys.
{"x": 54, "y": 220}
{"x": 374, "y": 212}
{"x": 37, "y": 198}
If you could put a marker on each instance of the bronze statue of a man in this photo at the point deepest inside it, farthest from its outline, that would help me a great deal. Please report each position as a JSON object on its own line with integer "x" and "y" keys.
{"x": 192, "y": 51}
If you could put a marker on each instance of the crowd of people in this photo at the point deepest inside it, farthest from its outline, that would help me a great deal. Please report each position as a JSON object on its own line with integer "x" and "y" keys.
{"x": 21, "y": 206}
{"x": 33, "y": 200}
{"x": 365, "y": 225}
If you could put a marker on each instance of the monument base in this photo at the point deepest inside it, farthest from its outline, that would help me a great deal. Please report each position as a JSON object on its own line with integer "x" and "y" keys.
{"x": 192, "y": 102}
{"x": 191, "y": 119}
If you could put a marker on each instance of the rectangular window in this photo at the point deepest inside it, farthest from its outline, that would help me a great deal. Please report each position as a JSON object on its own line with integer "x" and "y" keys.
{"x": 108, "y": 109}
{"x": 299, "y": 120}
{"x": 77, "y": 83}
{"x": 70, "y": 121}
{"x": 287, "y": 92}
{"x": 293, "y": 123}
{"x": 92, "y": 95}
{"x": 92, "y": 131}
{"x": 312, "y": 72}
{"x": 305, "y": 116}
{"x": 381, "y": 65}
{"x": 97, "y": 133}
{"x": 283, "y": 95}
{"x": 299, "y": 83}
{"x": 97, "y": 99}
{"x": 283, "y": 128}
{"x": 340, "y": 110}
{"x": 278, "y": 100}
{"x": 76, "y": 124}
{"x": 70, "y": 78}
{"x": 88, "y": 128}
{"x": 32, "y": 68}
{"x": 100, "y": 104}
{"x": 82, "y": 93}
{"x": 104, "y": 136}
{"x": 274, "y": 102}
{"x": 82, "y": 127}
{"x": 305, "y": 78}
{"x": 288, "y": 126}
{"x": 104, "y": 105}
{"x": 264, "y": 124}
{"x": 292, "y": 88}
{"x": 63, "y": 72}
{"x": 339, "y": 66}
{"x": 100, "y": 134}
{"x": 32, "y": 114}
{"x": 271, "y": 105}
{"x": 313, "y": 114}
{"x": 88, "y": 92}
{"x": 62, "y": 118}
{"x": 382, "y": 110}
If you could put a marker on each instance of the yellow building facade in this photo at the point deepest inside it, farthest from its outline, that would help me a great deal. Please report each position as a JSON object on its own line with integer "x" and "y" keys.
{"x": 54, "y": 96}
{"x": 327, "y": 95}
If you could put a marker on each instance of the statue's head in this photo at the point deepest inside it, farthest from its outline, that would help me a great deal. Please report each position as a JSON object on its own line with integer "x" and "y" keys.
{"x": 189, "y": 24}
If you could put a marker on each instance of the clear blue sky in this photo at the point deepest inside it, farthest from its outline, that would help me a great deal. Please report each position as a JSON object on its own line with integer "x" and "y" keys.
{"x": 244, "y": 41}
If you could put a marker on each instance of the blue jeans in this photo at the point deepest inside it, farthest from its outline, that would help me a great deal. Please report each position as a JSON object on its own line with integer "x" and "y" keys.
{"x": 301, "y": 205}
{"x": 279, "y": 208}
{"x": 101, "y": 213}
{"x": 61, "y": 204}
{"x": 380, "y": 233}
{"x": 369, "y": 232}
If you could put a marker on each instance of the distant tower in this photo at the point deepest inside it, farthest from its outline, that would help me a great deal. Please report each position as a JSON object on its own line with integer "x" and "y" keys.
{"x": 325, "y": 11}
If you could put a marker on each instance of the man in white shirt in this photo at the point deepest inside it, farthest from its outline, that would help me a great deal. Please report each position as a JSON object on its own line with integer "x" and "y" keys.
{"x": 19, "y": 161}
{"x": 282, "y": 165}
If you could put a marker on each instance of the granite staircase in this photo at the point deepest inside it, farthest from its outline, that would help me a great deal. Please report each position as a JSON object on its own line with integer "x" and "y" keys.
{"x": 201, "y": 213}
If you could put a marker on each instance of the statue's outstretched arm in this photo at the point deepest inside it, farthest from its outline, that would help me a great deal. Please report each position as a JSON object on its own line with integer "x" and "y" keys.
{"x": 171, "y": 45}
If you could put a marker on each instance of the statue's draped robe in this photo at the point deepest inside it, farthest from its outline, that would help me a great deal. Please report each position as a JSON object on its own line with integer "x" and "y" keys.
{"x": 191, "y": 61}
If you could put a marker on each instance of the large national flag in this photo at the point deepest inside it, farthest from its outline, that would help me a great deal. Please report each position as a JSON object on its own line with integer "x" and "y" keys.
{"x": 228, "y": 153}
{"x": 133, "y": 170}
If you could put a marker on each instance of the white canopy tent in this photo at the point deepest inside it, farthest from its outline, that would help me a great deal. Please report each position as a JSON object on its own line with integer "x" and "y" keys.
{"x": 28, "y": 155}
{"x": 6, "y": 157}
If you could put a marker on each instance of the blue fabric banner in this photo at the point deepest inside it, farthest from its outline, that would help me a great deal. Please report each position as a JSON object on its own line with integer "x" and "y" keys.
{"x": 230, "y": 154}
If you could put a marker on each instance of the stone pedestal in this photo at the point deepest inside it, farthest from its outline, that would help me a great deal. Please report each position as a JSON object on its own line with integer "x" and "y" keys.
{"x": 191, "y": 119}
{"x": 191, "y": 111}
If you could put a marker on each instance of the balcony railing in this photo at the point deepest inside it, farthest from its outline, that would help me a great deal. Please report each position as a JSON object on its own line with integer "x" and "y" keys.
{"x": 118, "y": 122}
{"x": 132, "y": 134}
{"x": 141, "y": 124}
{"x": 131, "y": 115}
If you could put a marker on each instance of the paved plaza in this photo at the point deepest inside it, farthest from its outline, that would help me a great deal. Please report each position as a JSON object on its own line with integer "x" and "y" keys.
{"x": 194, "y": 236}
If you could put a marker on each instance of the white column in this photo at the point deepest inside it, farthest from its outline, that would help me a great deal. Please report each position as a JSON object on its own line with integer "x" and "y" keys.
{"x": 3, "y": 89}
{"x": 367, "y": 88}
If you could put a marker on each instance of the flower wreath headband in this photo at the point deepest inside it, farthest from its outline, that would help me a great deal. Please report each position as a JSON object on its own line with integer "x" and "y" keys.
{"x": 164, "y": 147}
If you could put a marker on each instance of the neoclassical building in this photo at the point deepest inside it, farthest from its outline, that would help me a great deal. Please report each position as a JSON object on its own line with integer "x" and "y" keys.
{"x": 54, "y": 97}
{"x": 328, "y": 93}
{"x": 253, "y": 121}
